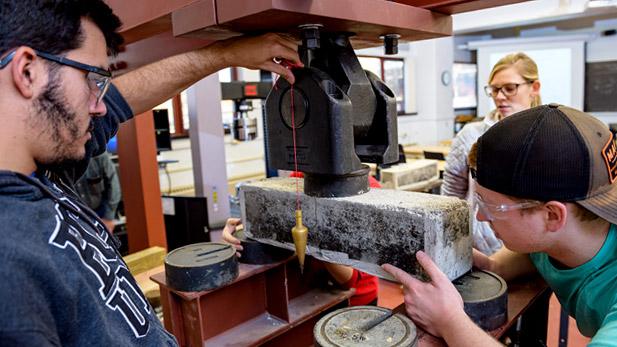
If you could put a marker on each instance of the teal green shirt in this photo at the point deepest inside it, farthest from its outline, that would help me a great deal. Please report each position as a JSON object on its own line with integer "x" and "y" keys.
{"x": 588, "y": 292}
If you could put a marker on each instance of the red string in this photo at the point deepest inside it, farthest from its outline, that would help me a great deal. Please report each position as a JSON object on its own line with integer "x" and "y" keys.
{"x": 290, "y": 65}
{"x": 293, "y": 123}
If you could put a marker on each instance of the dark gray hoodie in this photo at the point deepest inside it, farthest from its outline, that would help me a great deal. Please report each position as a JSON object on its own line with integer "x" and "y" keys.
{"x": 62, "y": 280}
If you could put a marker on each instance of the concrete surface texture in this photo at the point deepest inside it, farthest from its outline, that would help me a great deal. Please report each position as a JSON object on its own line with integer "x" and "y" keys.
{"x": 364, "y": 231}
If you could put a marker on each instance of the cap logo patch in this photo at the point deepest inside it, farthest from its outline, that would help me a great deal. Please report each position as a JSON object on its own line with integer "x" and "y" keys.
{"x": 610, "y": 158}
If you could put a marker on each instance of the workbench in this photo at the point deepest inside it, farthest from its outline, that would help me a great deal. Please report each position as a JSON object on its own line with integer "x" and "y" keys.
{"x": 273, "y": 305}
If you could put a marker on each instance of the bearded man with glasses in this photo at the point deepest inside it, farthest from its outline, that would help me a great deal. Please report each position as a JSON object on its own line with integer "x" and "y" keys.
{"x": 63, "y": 280}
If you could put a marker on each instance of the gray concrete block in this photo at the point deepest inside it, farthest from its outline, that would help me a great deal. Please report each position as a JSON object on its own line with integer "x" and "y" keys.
{"x": 364, "y": 231}
{"x": 408, "y": 176}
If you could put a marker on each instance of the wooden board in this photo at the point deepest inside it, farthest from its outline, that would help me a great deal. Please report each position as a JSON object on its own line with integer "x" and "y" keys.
{"x": 145, "y": 260}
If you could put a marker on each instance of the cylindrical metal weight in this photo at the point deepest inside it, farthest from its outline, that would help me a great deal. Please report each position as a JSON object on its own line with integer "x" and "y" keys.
{"x": 343, "y": 327}
{"x": 329, "y": 186}
{"x": 485, "y": 296}
{"x": 201, "y": 266}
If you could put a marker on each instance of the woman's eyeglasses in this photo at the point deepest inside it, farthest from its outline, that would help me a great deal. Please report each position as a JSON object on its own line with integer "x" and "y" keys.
{"x": 509, "y": 89}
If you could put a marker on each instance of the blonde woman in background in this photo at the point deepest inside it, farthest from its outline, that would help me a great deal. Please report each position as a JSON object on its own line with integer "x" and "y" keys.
{"x": 514, "y": 86}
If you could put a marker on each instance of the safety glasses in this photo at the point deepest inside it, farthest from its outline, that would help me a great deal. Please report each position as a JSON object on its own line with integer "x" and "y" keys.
{"x": 98, "y": 79}
{"x": 494, "y": 212}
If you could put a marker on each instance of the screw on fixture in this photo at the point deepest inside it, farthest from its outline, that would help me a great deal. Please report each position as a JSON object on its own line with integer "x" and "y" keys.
{"x": 310, "y": 35}
{"x": 390, "y": 43}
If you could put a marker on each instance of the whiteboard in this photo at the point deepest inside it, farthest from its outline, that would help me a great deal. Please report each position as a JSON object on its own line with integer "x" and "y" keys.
{"x": 561, "y": 68}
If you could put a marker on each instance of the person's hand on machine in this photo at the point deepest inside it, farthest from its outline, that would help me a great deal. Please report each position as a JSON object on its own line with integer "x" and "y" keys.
{"x": 231, "y": 225}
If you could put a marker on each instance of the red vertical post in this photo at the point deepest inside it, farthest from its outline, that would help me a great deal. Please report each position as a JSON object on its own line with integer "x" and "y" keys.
{"x": 139, "y": 178}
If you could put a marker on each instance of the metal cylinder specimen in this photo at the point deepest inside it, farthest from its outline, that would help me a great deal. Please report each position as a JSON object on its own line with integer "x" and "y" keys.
{"x": 485, "y": 295}
{"x": 344, "y": 327}
{"x": 201, "y": 266}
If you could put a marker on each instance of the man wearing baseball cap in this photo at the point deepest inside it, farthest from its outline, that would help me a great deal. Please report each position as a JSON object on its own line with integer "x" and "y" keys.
{"x": 545, "y": 181}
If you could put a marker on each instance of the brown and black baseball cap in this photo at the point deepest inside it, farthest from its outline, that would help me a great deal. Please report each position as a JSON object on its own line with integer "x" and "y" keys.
{"x": 552, "y": 152}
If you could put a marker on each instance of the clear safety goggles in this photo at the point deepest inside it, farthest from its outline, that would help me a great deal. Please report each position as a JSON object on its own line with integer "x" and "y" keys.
{"x": 493, "y": 212}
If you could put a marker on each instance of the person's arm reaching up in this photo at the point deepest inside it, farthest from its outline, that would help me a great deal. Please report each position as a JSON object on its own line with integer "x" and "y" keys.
{"x": 153, "y": 84}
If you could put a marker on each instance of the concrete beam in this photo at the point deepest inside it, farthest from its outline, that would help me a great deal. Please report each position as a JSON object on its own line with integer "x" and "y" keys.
{"x": 364, "y": 231}
{"x": 410, "y": 176}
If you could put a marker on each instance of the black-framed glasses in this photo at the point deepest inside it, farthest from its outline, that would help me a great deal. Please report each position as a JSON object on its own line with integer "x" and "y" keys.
{"x": 98, "y": 79}
{"x": 508, "y": 89}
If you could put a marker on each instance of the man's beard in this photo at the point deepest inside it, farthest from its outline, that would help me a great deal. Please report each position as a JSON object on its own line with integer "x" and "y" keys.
{"x": 51, "y": 109}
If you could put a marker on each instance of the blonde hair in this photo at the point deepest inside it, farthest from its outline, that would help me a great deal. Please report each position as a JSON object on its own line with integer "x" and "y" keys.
{"x": 525, "y": 66}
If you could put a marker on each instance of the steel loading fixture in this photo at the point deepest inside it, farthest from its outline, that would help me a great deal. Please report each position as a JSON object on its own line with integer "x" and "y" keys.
{"x": 343, "y": 116}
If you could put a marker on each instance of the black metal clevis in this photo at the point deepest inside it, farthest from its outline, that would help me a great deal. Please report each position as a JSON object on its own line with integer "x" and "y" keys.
{"x": 343, "y": 114}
